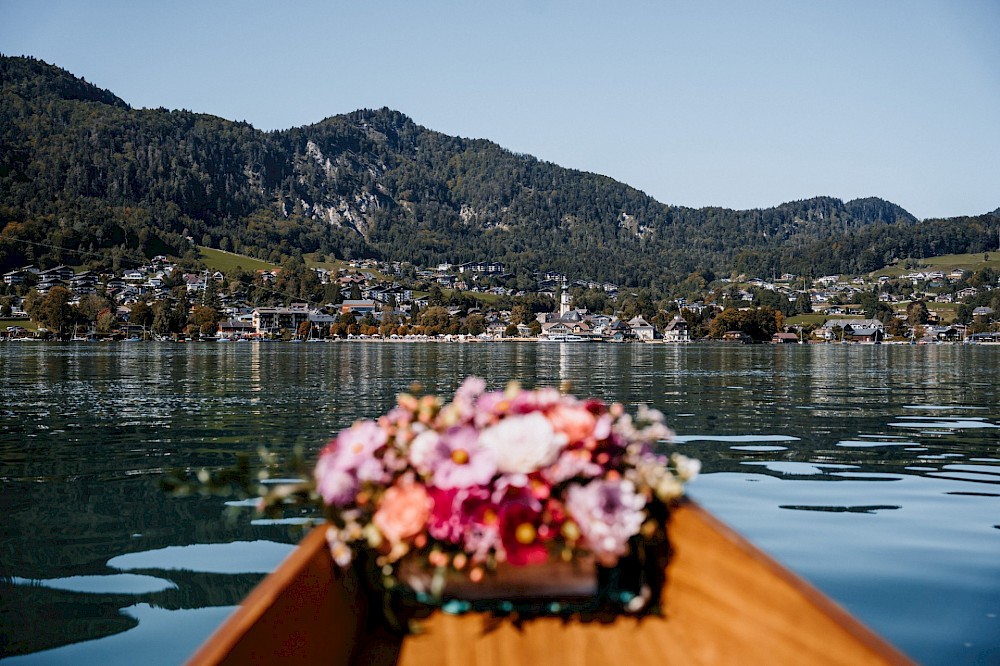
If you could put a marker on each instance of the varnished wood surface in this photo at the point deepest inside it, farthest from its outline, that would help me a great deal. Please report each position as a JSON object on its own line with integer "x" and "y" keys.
{"x": 307, "y": 611}
{"x": 725, "y": 602}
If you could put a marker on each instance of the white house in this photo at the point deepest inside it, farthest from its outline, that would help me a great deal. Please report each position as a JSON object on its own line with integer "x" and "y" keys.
{"x": 677, "y": 331}
{"x": 642, "y": 329}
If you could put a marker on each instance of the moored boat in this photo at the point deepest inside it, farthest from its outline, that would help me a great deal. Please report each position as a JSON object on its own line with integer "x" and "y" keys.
{"x": 562, "y": 337}
{"x": 724, "y": 601}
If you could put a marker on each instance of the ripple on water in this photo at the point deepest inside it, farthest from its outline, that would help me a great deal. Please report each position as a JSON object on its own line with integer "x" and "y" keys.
{"x": 978, "y": 473}
{"x": 856, "y": 443}
{"x": 734, "y": 438}
{"x": 759, "y": 448}
{"x": 950, "y": 424}
{"x": 948, "y": 408}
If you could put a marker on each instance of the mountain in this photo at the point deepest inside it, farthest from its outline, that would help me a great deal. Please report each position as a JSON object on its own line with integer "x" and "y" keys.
{"x": 82, "y": 171}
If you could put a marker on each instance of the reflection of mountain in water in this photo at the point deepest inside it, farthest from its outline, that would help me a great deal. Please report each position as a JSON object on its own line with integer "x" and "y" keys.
{"x": 100, "y": 531}
{"x": 39, "y": 618}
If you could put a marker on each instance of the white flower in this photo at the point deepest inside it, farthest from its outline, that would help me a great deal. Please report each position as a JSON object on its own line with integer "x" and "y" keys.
{"x": 522, "y": 443}
{"x": 687, "y": 468}
{"x": 422, "y": 449}
{"x": 669, "y": 488}
{"x": 339, "y": 550}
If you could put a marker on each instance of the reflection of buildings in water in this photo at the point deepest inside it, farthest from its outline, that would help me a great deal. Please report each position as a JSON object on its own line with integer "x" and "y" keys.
{"x": 836, "y": 376}
{"x": 672, "y": 360}
{"x": 844, "y": 376}
{"x": 563, "y": 363}
{"x": 254, "y": 378}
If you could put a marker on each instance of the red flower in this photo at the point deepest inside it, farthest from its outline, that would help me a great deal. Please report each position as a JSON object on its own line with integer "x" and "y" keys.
{"x": 522, "y": 532}
{"x": 443, "y": 523}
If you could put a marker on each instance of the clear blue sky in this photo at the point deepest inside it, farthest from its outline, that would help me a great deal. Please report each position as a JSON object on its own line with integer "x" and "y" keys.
{"x": 736, "y": 104}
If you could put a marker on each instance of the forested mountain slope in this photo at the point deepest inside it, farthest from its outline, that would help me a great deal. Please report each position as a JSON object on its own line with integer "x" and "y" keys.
{"x": 80, "y": 169}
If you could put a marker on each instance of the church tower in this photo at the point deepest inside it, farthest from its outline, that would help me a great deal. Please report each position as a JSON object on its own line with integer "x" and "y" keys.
{"x": 563, "y": 303}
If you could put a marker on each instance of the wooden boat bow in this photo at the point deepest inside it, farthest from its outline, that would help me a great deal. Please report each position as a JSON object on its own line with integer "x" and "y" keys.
{"x": 724, "y": 602}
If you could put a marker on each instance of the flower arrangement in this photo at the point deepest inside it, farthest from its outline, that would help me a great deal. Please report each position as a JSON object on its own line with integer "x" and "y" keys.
{"x": 494, "y": 478}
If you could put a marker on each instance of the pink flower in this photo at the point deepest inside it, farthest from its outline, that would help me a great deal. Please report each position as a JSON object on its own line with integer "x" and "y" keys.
{"x": 479, "y": 523}
{"x": 462, "y": 409}
{"x": 522, "y": 443}
{"x": 535, "y": 401}
{"x": 356, "y": 445}
{"x": 569, "y": 464}
{"x": 403, "y": 511}
{"x": 490, "y": 407}
{"x": 465, "y": 516}
{"x": 459, "y": 460}
{"x": 469, "y": 391}
{"x": 572, "y": 420}
{"x": 475, "y": 506}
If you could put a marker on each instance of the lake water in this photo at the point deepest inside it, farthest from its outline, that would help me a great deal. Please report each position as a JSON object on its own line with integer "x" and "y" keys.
{"x": 872, "y": 471}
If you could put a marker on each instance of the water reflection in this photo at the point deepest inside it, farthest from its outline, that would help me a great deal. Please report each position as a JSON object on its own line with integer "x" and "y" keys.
{"x": 221, "y": 558}
{"x": 869, "y": 469}
{"x": 116, "y": 584}
{"x": 841, "y": 509}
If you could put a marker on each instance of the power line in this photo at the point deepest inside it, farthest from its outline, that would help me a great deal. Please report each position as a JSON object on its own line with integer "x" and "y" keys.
{"x": 77, "y": 251}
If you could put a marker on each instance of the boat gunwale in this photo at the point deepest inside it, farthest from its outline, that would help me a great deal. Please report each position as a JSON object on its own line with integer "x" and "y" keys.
{"x": 313, "y": 548}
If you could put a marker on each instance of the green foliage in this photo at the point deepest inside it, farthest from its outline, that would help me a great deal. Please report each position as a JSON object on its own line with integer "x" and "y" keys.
{"x": 205, "y": 318}
{"x": 141, "y": 315}
{"x": 53, "y": 311}
{"x": 475, "y": 324}
{"x": 227, "y": 262}
{"x": 759, "y": 323}
{"x": 87, "y": 180}
{"x": 917, "y": 313}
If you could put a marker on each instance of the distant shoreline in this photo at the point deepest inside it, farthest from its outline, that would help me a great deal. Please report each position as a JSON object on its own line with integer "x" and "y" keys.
{"x": 443, "y": 340}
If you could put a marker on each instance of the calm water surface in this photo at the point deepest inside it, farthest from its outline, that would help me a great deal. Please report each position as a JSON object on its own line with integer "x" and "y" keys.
{"x": 872, "y": 471}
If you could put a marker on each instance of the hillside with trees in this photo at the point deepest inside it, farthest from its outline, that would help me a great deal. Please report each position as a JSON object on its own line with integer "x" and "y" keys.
{"x": 87, "y": 180}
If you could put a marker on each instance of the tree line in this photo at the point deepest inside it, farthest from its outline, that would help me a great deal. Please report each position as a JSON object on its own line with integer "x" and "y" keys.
{"x": 87, "y": 180}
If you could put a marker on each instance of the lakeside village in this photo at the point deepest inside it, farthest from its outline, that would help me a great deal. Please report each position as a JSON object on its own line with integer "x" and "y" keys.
{"x": 366, "y": 300}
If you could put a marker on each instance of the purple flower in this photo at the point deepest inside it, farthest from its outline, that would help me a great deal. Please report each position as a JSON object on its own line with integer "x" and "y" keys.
{"x": 458, "y": 460}
{"x": 336, "y": 485}
{"x": 608, "y": 512}
{"x": 350, "y": 459}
